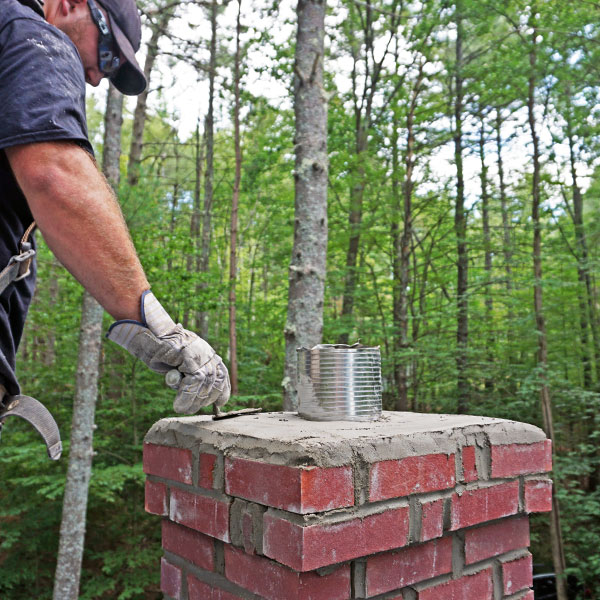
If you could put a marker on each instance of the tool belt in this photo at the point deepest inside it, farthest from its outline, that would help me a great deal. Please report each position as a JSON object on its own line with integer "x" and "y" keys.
{"x": 26, "y": 407}
{"x": 19, "y": 266}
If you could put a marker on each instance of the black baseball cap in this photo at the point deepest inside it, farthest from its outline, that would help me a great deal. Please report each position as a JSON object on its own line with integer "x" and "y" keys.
{"x": 126, "y": 28}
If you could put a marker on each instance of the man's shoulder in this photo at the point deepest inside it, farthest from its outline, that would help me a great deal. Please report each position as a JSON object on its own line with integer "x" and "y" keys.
{"x": 10, "y": 10}
{"x": 24, "y": 32}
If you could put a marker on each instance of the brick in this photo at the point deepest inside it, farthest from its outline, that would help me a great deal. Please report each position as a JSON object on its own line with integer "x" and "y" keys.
{"x": 273, "y": 581}
{"x": 510, "y": 460}
{"x": 170, "y": 579}
{"x": 157, "y": 502}
{"x": 313, "y": 546}
{"x": 393, "y": 570}
{"x": 206, "y": 470}
{"x": 167, "y": 462}
{"x": 497, "y": 538}
{"x": 189, "y": 544}
{"x": 517, "y": 574}
{"x": 470, "y": 587}
{"x": 412, "y": 475}
{"x": 202, "y": 513}
{"x": 529, "y": 596}
{"x": 468, "y": 464}
{"x": 484, "y": 504}
{"x": 432, "y": 519}
{"x": 198, "y": 590}
{"x": 296, "y": 489}
{"x": 538, "y": 495}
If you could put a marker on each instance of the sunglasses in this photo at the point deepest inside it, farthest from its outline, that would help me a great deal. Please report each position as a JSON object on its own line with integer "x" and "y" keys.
{"x": 108, "y": 59}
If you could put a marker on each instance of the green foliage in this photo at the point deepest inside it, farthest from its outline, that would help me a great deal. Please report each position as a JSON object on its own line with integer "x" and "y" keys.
{"x": 122, "y": 542}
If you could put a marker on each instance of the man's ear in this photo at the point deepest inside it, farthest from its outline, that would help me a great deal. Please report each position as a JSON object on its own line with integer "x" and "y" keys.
{"x": 70, "y": 5}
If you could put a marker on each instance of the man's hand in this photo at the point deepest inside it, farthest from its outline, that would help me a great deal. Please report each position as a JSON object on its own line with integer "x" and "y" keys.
{"x": 164, "y": 345}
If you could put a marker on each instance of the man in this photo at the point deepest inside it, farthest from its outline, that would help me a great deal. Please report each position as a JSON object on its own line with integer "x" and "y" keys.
{"x": 48, "y": 174}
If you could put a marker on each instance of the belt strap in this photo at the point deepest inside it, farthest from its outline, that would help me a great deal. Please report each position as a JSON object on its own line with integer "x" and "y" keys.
{"x": 19, "y": 265}
{"x": 35, "y": 413}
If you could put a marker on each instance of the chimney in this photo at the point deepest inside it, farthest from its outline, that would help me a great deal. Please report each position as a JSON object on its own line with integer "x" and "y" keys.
{"x": 411, "y": 507}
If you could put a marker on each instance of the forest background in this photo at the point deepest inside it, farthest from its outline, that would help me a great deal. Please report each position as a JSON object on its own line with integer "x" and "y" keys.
{"x": 463, "y": 217}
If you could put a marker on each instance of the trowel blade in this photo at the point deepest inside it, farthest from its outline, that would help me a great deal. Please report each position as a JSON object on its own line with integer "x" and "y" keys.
{"x": 235, "y": 413}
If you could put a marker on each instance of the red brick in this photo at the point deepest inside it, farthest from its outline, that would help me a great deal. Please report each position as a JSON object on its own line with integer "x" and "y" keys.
{"x": 517, "y": 574}
{"x": 198, "y": 590}
{"x": 468, "y": 464}
{"x": 297, "y": 489}
{"x": 432, "y": 519}
{"x": 202, "y": 513}
{"x": 274, "y": 582}
{"x": 393, "y": 570}
{"x": 412, "y": 475}
{"x": 497, "y": 538}
{"x": 167, "y": 462}
{"x": 313, "y": 546}
{"x": 484, "y": 504}
{"x": 206, "y": 470}
{"x": 529, "y": 596}
{"x": 538, "y": 495}
{"x": 156, "y": 498}
{"x": 170, "y": 579}
{"x": 189, "y": 544}
{"x": 470, "y": 587}
{"x": 511, "y": 460}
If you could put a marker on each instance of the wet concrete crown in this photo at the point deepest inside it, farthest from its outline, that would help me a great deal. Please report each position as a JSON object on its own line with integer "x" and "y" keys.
{"x": 285, "y": 438}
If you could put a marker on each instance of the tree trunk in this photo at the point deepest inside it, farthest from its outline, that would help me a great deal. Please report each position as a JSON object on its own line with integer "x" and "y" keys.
{"x": 586, "y": 304}
{"x": 487, "y": 246}
{"x": 193, "y": 259}
{"x": 354, "y": 224}
{"x": 397, "y": 357}
{"x": 403, "y": 257}
{"x": 72, "y": 529}
{"x": 460, "y": 228}
{"x": 304, "y": 326}
{"x": 158, "y": 29}
{"x": 558, "y": 557}
{"x": 233, "y": 362}
{"x": 202, "y": 316}
{"x": 506, "y": 236}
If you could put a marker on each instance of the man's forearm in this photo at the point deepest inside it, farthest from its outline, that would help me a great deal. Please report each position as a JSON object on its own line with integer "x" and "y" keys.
{"x": 82, "y": 223}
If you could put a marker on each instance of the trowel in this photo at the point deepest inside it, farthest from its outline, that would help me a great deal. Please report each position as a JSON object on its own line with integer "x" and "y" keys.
{"x": 172, "y": 379}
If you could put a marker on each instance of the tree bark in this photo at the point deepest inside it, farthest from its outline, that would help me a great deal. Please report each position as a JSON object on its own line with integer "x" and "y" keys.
{"x": 158, "y": 28}
{"x": 72, "y": 529}
{"x": 584, "y": 292}
{"x": 558, "y": 557}
{"x": 402, "y": 256}
{"x": 304, "y": 326}
{"x": 233, "y": 362}
{"x": 193, "y": 258}
{"x": 202, "y": 316}
{"x": 460, "y": 228}
{"x": 487, "y": 247}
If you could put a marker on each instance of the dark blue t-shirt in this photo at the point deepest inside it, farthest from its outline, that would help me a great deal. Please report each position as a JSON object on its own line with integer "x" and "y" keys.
{"x": 42, "y": 99}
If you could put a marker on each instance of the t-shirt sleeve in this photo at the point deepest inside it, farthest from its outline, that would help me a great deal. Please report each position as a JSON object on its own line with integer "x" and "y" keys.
{"x": 42, "y": 86}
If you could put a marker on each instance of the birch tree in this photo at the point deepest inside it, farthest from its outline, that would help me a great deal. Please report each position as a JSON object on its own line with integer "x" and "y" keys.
{"x": 304, "y": 326}
{"x": 72, "y": 529}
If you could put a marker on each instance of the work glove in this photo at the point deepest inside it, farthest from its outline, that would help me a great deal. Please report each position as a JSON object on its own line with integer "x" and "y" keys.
{"x": 163, "y": 345}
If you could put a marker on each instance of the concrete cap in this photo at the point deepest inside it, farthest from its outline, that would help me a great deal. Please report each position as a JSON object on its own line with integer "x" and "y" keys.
{"x": 285, "y": 438}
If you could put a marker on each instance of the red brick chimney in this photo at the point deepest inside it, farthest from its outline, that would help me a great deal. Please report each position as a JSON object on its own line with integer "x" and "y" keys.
{"x": 412, "y": 507}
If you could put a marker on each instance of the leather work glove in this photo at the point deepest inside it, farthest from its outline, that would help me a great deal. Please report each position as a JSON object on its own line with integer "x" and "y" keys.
{"x": 164, "y": 345}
